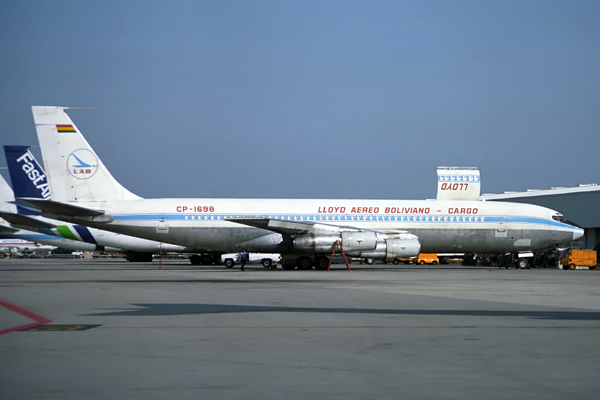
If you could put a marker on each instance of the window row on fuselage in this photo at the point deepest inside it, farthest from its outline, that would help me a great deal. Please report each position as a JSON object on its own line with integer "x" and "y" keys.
{"x": 343, "y": 217}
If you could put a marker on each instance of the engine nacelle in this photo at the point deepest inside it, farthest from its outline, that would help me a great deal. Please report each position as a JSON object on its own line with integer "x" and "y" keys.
{"x": 404, "y": 248}
{"x": 351, "y": 241}
{"x": 394, "y": 248}
{"x": 359, "y": 241}
{"x": 316, "y": 244}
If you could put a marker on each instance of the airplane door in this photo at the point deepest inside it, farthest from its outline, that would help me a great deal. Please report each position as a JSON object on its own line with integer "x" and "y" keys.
{"x": 162, "y": 226}
{"x": 501, "y": 229}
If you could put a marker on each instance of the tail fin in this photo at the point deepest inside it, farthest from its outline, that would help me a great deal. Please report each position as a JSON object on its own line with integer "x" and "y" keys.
{"x": 6, "y": 197}
{"x": 458, "y": 183}
{"x": 74, "y": 170}
{"x": 27, "y": 177}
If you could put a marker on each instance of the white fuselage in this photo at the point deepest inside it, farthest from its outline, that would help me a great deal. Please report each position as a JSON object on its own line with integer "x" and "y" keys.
{"x": 441, "y": 226}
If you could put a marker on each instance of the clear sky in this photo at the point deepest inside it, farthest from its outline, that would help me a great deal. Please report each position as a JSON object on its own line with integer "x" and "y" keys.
{"x": 312, "y": 99}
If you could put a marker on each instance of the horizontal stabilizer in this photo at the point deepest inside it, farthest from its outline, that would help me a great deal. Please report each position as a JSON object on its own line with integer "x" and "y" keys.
{"x": 66, "y": 212}
{"x": 24, "y": 221}
{"x": 5, "y": 229}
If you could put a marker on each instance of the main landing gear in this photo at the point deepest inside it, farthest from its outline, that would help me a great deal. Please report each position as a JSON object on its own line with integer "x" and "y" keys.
{"x": 136, "y": 256}
{"x": 205, "y": 259}
{"x": 305, "y": 263}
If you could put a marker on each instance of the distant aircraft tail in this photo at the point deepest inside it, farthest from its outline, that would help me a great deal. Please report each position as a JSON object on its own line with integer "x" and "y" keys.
{"x": 6, "y": 197}
{"x": 458, "y": 183}
{"x": 74, "y": 171}
{"x": 27, "y": 176}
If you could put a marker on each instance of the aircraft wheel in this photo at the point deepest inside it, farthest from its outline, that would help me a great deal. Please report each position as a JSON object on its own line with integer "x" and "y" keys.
{"x": 288, "y": 266}
{"x": 229, "y": 263}
{"x": 139, "y": 257}
{"x": 267, "y": 262}
{"x": 522, "y": 263}
{"x": 321, "y": 263}
{"x": 195, "y": 259}
{"x": 304, "y": 263}
{"x": 206, "y": 259}
{"x": 369, "y": 261}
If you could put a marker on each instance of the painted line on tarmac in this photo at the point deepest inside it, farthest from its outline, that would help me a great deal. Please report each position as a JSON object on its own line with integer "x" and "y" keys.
{"x": 39, "y": 320}
{"x": 355, "y": 327}
{"x": 60, "y": 328}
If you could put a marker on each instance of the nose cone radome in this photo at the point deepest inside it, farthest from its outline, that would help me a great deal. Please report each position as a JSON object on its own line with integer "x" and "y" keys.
{"x": 577, "y": 233}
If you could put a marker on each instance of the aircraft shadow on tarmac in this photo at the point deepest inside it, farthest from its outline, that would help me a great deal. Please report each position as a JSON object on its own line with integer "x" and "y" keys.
{"x": 166, "y": 309}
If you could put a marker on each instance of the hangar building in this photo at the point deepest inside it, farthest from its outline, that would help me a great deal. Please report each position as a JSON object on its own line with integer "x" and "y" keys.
{"x": 580, "y": 206}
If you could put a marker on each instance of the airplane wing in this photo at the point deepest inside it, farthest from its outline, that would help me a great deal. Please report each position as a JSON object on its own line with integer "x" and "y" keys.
{"x": 297, "y": 228}
{"x": 291, "y": 228}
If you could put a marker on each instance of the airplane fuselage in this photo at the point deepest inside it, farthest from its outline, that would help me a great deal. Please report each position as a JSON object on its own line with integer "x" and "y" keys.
{"x": 441, "y": 226}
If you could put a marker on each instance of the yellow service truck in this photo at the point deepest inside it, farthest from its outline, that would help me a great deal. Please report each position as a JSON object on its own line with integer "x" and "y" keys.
{"x": 422, "y": 259}
{"x": 574, "y": 258}
{"x": 428, "y": 258}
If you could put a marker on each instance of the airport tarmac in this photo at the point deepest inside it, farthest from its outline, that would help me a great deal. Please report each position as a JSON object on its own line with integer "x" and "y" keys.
{"x": 112, "y": 329}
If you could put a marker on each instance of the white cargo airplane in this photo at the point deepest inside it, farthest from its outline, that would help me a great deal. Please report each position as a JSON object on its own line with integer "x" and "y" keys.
{"x": 29, "y": 180}
{"x": 304, "y": 231}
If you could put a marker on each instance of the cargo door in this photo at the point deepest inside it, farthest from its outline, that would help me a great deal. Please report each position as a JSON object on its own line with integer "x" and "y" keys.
{"x": 501, "y": 229}
{"x": 162, "y": 227}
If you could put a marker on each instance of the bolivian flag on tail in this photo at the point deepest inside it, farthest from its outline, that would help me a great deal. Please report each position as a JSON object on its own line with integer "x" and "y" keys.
{"x": 65, "y": 129}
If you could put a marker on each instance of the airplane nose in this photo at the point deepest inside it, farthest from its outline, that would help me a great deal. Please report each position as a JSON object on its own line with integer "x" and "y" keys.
{"x": 577, "y": 233}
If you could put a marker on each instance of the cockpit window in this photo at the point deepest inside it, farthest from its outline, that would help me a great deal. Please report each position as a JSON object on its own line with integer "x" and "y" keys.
{"x": 559, "y": 218}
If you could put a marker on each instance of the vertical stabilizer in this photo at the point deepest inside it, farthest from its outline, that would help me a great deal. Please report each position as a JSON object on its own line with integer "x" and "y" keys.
{"x": 458, "y": 183}
{"x": 27, "y": 176}
{"x": 74, "y": 171}
{"x": 6, "y": 197}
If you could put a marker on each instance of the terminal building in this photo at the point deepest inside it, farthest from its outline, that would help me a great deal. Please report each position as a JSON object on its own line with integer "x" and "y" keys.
{"x": 579, "y": 205}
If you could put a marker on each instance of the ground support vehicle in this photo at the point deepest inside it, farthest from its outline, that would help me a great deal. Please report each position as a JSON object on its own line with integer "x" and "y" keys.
{"x": 267, "y": 260}
{"x": 427, "y": 258}
{"x": 394, "y": 261}
{"x": 573, "y": 258}
{"x": 516, "y": 260}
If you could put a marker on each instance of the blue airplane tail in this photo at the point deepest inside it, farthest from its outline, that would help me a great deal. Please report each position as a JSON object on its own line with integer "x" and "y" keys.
{"x": 27, "y": 176}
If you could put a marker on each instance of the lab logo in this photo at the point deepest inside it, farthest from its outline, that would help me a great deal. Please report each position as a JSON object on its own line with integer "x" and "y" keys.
{"x": 82, "y": 164}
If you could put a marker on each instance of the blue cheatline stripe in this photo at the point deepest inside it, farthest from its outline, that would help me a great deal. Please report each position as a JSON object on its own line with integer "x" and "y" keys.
{"x": 85, "y": 234}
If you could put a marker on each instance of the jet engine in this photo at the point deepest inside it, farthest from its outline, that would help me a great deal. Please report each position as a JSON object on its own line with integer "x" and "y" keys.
{"x": 362, "y": 244}
{"x": 404, "y": 247}
{"x": 323, "y": 243}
